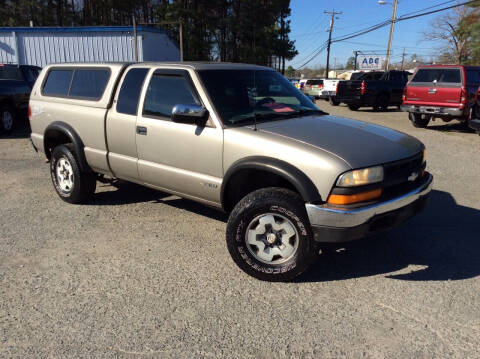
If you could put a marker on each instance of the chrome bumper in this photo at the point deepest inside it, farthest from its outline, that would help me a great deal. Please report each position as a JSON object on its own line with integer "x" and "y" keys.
{"x": 324, "y": 216}
{"x": 434, "y": 110}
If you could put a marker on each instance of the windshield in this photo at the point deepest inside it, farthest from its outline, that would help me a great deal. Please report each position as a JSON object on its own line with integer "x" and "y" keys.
{"x": 241, "y": 95}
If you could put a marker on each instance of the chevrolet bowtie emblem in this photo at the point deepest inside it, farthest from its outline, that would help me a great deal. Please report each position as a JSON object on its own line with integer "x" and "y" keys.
{"x": 413, "y": 176}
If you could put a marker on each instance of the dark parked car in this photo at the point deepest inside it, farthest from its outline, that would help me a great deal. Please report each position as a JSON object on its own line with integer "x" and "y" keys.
{"x": 443, "y": 91}
{"x": 373, "y": 89}
{"x": 16, "y": 82}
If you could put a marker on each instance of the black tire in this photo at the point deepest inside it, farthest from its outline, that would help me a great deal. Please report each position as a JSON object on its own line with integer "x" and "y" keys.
{"x": 419, "y": 120}
{"x": 333, "y": 102}
{"x": 476, "y": 112}
{"x": 83, "y": 184}
{"x": 7, "y": 119}
{"x": 353, "y": 107}
{"x": 381, "y": 103}
{"x": 281, "y": 203}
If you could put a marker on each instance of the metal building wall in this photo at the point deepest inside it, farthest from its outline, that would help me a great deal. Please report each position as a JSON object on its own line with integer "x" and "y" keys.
{"x": 44, "y": 48}
{"x": 8, "y": 48}
{"x": 40, "y": 48}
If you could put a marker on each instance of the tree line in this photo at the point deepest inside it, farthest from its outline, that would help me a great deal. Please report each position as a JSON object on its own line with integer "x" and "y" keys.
{"x": 251, "y": 31}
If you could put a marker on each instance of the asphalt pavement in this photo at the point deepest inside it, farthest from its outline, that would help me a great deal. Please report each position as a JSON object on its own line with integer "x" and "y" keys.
{"x": 139, "y": 273}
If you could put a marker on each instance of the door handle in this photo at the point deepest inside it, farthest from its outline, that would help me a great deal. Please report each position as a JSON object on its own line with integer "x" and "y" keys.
{"x": 432, "y": 90}
{"x": 141, "y": 130}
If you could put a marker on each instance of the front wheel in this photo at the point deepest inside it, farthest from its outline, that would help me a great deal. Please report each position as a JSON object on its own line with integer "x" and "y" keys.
{"x": 269, "y": 235}
{"x": 419, "y": 120}
{"x": 72, "y": 185}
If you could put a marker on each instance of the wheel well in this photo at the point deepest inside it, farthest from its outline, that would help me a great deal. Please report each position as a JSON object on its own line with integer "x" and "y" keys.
{"x": 54, "y": 138}
{"x": 246, "y": 181}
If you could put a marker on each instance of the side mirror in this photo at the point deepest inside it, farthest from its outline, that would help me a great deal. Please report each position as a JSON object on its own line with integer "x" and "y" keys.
{"x": 192, "y": 114}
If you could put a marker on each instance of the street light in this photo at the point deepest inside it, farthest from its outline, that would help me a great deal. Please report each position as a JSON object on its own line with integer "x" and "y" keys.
{"x": 392, "y": 27}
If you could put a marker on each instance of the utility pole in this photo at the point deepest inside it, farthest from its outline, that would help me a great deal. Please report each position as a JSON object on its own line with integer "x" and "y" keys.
{"x": 332, "y": 21}
{"x": 403, "y": 58}
{"x": 392, "y": 28}
{"x": 135, "y": 44}
{"x": 179, "y": 22}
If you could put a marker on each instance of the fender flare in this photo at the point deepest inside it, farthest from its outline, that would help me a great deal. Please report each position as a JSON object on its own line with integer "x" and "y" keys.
{"x": 302, "y": 183}
{"x": 68, "y": 131}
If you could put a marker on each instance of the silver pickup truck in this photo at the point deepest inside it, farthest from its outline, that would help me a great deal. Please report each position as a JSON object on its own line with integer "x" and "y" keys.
{"x": 237, "y": 137}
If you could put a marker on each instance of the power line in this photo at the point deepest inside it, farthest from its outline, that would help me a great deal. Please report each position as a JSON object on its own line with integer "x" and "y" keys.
{"x": 401, "y": 18}
{"x": 386, "y": 23}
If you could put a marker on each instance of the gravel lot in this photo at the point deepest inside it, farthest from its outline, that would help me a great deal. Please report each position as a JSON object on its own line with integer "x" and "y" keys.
{"x": 141, "y": 273}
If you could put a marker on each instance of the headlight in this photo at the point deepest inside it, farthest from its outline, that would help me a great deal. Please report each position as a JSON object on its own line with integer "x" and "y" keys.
{"x": 361, "y": 177}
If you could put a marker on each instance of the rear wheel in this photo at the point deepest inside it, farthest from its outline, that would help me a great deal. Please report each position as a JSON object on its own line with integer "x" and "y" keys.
{"x": 269, "y": 235}
{"x": 7, "y": 119}
{"x": 353, "y": 107}
{"x": 333, "y": 102}
{"x": 419, "y": 120}
{"x": 381, "y": 104}
{"x": 72, "y": 185}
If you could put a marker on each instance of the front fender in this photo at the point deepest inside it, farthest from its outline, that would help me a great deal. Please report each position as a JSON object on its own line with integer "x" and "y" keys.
{"x": 302, "y": 183}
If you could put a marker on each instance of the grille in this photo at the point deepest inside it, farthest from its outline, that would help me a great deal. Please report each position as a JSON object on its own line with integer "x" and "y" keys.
{"x": 396, "y": 175}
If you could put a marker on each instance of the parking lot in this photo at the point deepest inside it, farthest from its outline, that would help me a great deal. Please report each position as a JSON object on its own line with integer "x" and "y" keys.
{"x": 141, "y": 273}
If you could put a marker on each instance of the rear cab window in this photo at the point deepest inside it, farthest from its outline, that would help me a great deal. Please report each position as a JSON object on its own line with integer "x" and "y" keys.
{"x": 445, "y": 76}
{"x": 314, "y": 82}
{"x": 130, "y": 90}
{"x": 76, "y": 83}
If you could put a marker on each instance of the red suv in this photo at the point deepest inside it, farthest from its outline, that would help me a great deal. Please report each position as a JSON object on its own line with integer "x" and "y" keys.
{"x": 443, "y": 91}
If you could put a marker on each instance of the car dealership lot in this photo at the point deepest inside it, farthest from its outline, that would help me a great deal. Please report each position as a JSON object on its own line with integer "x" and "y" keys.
{"x": 138, "y": 272}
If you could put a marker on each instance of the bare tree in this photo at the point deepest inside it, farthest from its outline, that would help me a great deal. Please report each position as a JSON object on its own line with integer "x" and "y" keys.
{"x": 446, "y": 29}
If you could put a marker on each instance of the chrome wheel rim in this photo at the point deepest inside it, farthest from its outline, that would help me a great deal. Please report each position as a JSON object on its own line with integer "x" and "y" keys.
{"x": 7, "y": 120}
{"x": 64, "y": 173}
{"x": 272, "y": 238}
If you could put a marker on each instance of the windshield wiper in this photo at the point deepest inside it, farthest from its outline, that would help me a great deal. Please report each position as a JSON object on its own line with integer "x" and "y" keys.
{"x": 277, "y": 115}
{"x": 258, "y": 116}
{"x": 306, "y": 111}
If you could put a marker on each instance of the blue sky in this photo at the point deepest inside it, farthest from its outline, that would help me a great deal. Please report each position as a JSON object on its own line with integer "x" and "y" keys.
{"x": 309, "y": 24}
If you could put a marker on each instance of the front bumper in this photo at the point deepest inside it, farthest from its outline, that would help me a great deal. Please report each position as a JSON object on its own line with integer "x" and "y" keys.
{"x": 435, "y": 110}
{"x": 341, "y": 225}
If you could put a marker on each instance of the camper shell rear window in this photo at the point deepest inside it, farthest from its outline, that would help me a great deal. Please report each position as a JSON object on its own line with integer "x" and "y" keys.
{"x": 87, "y": 83}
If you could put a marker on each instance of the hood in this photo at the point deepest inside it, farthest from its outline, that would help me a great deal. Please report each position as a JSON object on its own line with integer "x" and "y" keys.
{"x": 360, "y": 144}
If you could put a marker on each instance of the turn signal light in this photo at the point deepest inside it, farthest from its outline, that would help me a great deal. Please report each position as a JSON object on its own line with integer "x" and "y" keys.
{"x": 343, "y": 199}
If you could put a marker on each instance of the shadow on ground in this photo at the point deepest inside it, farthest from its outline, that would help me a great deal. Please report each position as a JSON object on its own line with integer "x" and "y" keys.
{"x": 455, "y": 126}
{"x": 441, "y": 243}
{"x": 127, "y": 193}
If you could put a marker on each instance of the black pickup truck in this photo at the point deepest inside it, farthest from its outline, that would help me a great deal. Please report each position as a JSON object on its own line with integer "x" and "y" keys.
{"x": 373, "y": 89}
{"x": 16, "y": 82}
